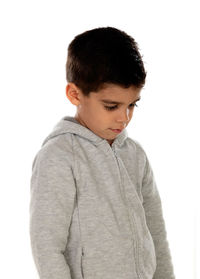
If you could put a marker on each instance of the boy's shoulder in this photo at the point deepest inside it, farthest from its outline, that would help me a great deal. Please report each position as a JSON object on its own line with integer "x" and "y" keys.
{"x": 54, "y": 149}
{"x": 137, "y": 146}
{"x": 142, "y": 155}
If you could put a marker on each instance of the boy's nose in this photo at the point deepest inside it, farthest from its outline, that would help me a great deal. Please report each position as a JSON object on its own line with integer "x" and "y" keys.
{"x": 124, "y": 117}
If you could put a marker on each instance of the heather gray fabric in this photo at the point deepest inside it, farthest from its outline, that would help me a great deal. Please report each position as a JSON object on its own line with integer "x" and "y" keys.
{"x": 95, "y": 210}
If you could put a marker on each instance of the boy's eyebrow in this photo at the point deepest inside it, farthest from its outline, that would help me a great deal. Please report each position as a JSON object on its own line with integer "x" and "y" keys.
{"x": 107, "y": 101}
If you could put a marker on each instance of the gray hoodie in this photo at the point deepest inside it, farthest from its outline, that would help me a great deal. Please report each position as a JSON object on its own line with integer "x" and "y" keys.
{"x": 95, "y": 210}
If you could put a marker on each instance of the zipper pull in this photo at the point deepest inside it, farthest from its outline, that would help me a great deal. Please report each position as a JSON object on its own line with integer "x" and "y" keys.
{"x": 114, "y": 152}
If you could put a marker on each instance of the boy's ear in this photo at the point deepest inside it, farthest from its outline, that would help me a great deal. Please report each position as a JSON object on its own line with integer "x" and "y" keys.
{"x": 73, "y": 93}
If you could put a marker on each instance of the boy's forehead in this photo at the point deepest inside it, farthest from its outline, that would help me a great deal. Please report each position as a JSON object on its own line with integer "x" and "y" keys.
{"x": 118, "y": 93}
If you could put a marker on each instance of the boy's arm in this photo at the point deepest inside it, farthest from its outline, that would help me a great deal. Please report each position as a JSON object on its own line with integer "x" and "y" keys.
{"x": 156, "y": 224}
{"x": 51, "y": 208}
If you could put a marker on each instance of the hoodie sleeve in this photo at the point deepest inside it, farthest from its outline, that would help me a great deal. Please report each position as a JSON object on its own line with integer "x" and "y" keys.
{"x": 156, "y": 224}
{"x": 51, "y": 207}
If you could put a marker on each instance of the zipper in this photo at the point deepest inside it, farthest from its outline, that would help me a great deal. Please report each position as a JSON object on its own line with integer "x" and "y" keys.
{"x": 82, "y": 254}
{"x": 114, "y": 151}
{"x": 136, "y": 248}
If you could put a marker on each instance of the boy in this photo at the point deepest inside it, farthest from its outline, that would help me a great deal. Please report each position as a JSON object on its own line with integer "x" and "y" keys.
{"x": 95, "y": 211}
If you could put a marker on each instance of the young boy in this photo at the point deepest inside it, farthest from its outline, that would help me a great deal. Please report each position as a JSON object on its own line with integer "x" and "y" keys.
{"x": 95, "y": 210}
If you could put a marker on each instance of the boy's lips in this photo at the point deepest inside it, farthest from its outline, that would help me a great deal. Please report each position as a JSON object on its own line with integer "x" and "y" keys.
{"x": 116, "y": 130}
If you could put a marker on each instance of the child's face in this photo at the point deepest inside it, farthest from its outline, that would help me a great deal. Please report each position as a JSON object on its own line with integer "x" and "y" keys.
{"x": 92, "y": 111}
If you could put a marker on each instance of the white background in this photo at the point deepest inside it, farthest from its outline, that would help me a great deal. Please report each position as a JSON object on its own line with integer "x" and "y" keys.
{"x": 33, "y": 49}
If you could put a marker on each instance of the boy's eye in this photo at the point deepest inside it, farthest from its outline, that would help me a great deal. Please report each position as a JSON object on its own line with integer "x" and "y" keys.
{"x": 112, "y": 108}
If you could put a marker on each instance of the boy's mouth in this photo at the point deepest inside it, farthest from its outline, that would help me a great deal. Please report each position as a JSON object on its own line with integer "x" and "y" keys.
{"x": 116, "y": 130}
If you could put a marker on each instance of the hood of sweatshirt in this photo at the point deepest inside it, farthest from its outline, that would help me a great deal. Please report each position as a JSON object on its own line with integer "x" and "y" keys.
{"x": 68, "y": 124}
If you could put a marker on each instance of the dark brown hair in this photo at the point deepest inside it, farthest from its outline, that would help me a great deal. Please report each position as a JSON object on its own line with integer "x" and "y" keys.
{"x": 104, "y": 55}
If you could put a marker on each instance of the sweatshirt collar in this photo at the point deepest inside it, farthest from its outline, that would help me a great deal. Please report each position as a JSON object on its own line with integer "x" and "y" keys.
{"x": 68, "y": 124}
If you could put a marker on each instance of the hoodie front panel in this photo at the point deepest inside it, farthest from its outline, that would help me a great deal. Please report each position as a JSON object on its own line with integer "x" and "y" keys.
{"x": 115, "y": 238}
